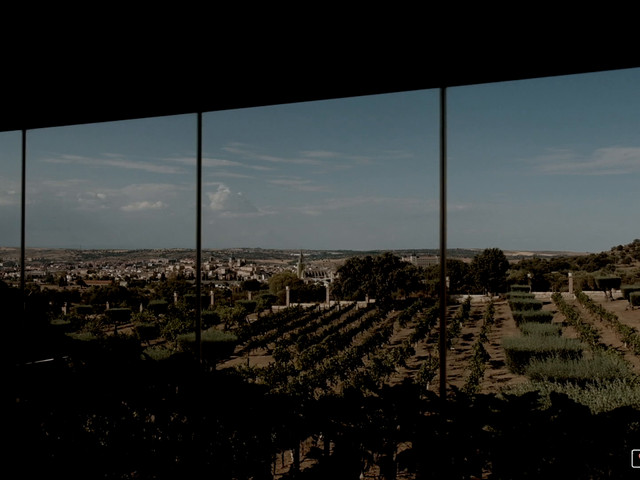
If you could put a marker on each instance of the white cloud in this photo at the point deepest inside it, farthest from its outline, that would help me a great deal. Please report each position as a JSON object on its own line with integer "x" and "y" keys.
{"x": 92, "y": 200}
{"x": 145, "y": 205}
{"x": 115, "y": 161}
{"x": 223, "y": 200}
{"x": 299, "y": 184}
{"x": 602, "y": 161}
{"x": 371, "y": 205}
{"x": 245, "y": 152}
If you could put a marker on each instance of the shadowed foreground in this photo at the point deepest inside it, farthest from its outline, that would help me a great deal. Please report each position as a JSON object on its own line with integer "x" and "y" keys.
{"x": 101, "y": 415}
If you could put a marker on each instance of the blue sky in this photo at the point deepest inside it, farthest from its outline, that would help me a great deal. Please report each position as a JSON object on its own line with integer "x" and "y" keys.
{"x": 545, "y": 164}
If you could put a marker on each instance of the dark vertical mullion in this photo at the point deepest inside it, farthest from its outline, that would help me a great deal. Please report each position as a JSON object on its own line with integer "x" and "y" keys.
{"x": 23, "y": 202}
{"x": 443, "y": 243}
{"x": 199, "y": 240}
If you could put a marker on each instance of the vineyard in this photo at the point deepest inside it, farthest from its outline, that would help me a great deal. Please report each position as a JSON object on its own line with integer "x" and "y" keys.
{"x": 350, "y": 391}
{"x": 513, "y": 346}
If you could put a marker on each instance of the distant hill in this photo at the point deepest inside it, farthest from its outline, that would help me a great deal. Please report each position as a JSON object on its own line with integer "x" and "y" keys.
{"x": 628, "y": 253}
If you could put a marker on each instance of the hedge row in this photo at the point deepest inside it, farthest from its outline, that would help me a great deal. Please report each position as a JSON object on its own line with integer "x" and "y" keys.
{"x": 215, "y": 343}
{"x": 542, "y": 329}
{"x": 529, "y": 316}
{"x": 520, "y": 351}
{"x": 627, "y": 290}
{"x": 599, "y": 368}
{"x": 521, "y": 304}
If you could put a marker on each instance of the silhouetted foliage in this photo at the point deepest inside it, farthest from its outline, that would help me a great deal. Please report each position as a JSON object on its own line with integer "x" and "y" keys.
{"x": 382, "y": 277}
{"x": 490, "y": 270}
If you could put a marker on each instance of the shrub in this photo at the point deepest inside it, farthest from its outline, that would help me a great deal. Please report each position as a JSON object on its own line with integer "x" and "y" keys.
{"x": 520, "y": 351}
{"x": 118, "y": 315}
{"x": 634, "y": 299}
{"x": 83, "y": 309}
{"x": 579, "y": 371}
{"x": 539, "y": 316}
{"x": 628, "y": 289}
{"x": 158, "y": 352}
{"x": 520, "y": 295}
{"x": 147, "y": 331}
{"x": 210, "y": 318}
{"x": 542, "y": 329}
{"x": 525, "y": 304}
{"x": 216, "y": 344}
{"x": 158, "y": 306}
{"x": 599, "y": 396}
{"x": 520, "y": 288}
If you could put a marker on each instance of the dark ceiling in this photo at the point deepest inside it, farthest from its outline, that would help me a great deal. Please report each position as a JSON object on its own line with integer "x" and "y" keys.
{"x": 48, "y": 90}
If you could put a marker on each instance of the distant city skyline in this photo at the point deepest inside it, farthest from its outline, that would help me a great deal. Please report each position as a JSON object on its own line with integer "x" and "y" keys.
{"x": 542, "y": 164}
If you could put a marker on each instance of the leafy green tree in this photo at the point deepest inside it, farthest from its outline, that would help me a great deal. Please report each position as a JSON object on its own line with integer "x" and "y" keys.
{"x": 279, "y": 282}
{"x": 607, "y": 284}
{"x": 459, "y": 273}
{"x": 490, "y": 270}
{"x": 252, "y": 285}
{"x": 382, "y": 277}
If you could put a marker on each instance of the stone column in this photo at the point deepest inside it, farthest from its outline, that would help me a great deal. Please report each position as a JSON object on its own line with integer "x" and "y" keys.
{"x": 212, "y": 302}
{"x": 328, "y": 301}
{"x": 288, "y": 296}
{"x": 175, "y": 297}
{"x": 570, "y": 282}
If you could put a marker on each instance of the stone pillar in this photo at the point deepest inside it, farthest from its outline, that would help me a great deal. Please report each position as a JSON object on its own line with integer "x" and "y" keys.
{"x": 249, "y": 295}
{"x": 107, "y": 306}
{"x": 328, "y": 301}
{"x": 288, "y": 296}
{"x": 175, "y": 297}
{"x": 570, "y": 282}
{"x": 212, "y": 302}
{"x": 64, "y": 308}
{"x": 141, "y": 307}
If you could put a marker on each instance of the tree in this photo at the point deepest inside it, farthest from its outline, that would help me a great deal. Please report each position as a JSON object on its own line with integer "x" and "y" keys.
{"x": 279, "y": 282}
{"x": 382, "y": 277}
{"x": 607, "y": 284}
{"x": 251, "y": 285}
{"x": 489, "y": 269}
{"x": 459, "y": 273}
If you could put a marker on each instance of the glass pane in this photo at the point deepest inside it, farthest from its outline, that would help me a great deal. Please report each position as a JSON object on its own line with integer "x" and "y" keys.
{"x": 128, "y": 185}
{"x": 10, "y": 198}
{"x": 347, "y": 174}
{"x": 545, "y": 164}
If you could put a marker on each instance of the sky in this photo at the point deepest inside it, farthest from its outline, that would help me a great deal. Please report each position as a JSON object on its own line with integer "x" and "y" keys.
{"x": 543, "y": 164}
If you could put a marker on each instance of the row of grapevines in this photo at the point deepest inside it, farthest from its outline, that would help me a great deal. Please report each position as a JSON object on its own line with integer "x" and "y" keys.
{"x": 626, "y": 333}
{"x": 270, "y": 321}
{"x": 286, "y": 321}
{"x": 586, "y": 331}
{"x": 307, "y": 371}
{"x": 480, "y": 357}
{"x": 329, "y": 325}
{"x": 335, "y": 342}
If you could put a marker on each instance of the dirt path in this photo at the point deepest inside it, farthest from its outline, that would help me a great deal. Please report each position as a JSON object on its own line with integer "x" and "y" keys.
{"x": 497, "y": 376}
